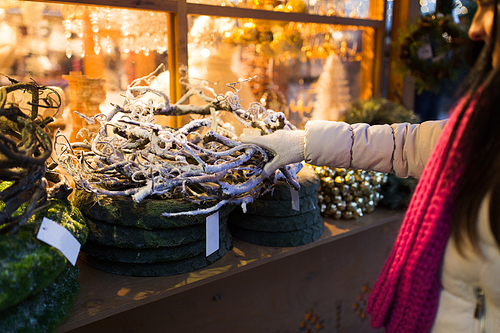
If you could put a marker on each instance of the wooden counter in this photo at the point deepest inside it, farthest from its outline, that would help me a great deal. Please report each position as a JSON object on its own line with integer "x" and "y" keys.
{"x": 318, "y": 287}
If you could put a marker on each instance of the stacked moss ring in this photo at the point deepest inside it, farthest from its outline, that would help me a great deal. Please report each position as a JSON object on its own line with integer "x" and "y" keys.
{"x": 281, "y": 208}
{"x": 130, "y": 238}
{"x": 149, "y": 255}
{"x": 37, "y": 284}
{"x": 147, "y": 214}
{"x": 283, "y": 238}
{"x": 272, "y": 221}
{"x": 107, "y": 234}
{"x": 161, "y": 268}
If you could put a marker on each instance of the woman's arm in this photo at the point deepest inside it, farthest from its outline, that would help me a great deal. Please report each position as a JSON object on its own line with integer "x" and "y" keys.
{"x": 402, "y": 149}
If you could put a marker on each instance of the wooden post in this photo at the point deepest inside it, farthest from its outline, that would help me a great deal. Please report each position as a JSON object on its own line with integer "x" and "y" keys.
{"x": 177, "y": 53}
{"x": 93, "y": 64}
{"x": 372, "y": 62}
{"x": 401, "y": 88}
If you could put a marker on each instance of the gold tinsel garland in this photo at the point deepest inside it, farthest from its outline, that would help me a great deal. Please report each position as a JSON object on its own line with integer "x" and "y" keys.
{"x": 271, "y": 37}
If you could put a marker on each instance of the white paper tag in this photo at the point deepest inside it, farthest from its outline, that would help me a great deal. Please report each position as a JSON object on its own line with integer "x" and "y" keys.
{"x": 295, "y": 199}
{"x": 251, "y": 132}
{"x": 59, "y": 237}
{"x": 425, "y": 52}
{"x": 212, "y": 233}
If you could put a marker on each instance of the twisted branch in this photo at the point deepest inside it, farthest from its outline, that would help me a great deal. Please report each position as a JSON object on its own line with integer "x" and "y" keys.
{"x": 132, "y": 155}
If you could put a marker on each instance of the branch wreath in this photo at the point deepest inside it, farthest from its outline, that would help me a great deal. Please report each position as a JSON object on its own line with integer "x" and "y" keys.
{"x": 202, "y": 161}
{"x": 27, "y": 181}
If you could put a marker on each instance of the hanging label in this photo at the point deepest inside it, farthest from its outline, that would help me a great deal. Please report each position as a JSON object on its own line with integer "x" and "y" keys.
{"x": 212, "y": 233}
{"x": 251, "y": 132}
{"x": 425, "y": 52}
{"x": 59, "y": 237}
{"x": 295, "y": 199}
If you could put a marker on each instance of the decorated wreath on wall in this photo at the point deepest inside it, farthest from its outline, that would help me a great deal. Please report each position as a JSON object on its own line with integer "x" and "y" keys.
{"x": 431, "y": 51}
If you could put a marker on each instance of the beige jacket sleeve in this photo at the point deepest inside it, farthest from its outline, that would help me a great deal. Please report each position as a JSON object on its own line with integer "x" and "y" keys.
{"x": 402, "y": 149}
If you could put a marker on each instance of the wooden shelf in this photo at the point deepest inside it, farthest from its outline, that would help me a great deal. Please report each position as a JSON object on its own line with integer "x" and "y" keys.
{"x": 115, "y": 303}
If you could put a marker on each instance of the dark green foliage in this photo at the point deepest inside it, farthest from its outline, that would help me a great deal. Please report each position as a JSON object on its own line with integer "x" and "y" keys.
{"x": 379, "y": 111}
{"x": 397, "y": 192}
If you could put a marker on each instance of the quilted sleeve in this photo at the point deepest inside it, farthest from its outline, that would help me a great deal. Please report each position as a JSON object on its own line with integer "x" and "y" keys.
{"x": 402, "y": 149}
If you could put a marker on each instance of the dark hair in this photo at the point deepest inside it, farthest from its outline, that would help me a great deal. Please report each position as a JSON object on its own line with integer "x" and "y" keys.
{"x": 481, "y": 148}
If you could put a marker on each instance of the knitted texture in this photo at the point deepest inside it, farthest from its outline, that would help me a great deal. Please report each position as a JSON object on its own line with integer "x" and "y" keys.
{"x": 406, "y": 294}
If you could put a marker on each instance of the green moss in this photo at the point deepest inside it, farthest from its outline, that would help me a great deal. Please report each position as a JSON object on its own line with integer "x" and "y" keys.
{"x": 147, "y": 214}
{"x": 281, "y": 239}
{"x": 45, "y": 311}
{"x": 4, "y": 185}
{"x": 163, "y": 268}
{"x": 29, "y": 265}
{"x": 136, "y": 238}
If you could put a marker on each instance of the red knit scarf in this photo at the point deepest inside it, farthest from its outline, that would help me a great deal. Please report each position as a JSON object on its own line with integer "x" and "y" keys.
{"x": 406, "y": 294}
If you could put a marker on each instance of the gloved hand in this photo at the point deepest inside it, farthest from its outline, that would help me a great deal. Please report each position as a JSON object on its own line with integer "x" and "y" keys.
{"x": 287, "y": 146}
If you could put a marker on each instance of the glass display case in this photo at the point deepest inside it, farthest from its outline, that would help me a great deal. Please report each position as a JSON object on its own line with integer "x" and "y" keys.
{"x": 308, "y": 58}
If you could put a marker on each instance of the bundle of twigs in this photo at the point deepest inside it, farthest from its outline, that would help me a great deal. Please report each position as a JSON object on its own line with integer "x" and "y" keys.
{"x": 202, "y": 161}
{"x": 24, "y": 151}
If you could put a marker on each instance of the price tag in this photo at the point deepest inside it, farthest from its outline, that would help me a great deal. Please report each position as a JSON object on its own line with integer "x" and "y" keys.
{"x": 212, "y": 233}
{"x": 425, "y": 52}
{"x": 251, "y": 132}
{"x": 295, "y": 199}
{"x": 59, "y": 237}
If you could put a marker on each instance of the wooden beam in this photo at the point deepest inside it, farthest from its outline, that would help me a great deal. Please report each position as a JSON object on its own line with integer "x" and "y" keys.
{"x": 401, "y": 88}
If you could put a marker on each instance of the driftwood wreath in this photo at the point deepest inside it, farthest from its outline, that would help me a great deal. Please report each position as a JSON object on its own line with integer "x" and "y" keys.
{"x": 202, "y": 161}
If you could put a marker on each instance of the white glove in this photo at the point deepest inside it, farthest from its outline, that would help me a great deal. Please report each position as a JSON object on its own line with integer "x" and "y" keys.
{"x": 287, "y": 146}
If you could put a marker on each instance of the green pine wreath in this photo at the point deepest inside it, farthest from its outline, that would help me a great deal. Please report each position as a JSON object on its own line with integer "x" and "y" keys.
{"x": 445, "y": 38}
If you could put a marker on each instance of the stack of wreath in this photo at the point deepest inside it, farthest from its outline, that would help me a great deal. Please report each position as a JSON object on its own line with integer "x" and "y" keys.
{"x": 280, "y": 217}
{"x": 37, "y": 284}
{"x": 131, "y": 238}
{"x": 146, "y": 190}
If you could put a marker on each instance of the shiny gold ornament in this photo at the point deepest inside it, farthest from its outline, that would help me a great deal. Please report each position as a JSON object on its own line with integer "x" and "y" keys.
{"x": 275, "y": 100}
{"x": 347, "y": 215}
{"x": 347, "y": 193}
{"x": 296, "y": 6}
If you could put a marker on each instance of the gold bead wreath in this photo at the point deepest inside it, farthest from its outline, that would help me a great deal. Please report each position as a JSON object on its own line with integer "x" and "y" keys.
{"x": 347, "y": 193}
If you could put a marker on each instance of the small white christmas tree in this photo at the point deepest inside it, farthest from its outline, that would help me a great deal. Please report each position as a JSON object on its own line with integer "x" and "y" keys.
{"x": 333, "y": 96}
